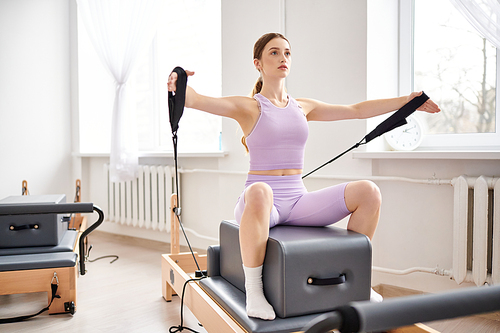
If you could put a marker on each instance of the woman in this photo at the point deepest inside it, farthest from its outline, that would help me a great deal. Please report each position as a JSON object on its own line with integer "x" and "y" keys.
{"x": 275, "y": 132}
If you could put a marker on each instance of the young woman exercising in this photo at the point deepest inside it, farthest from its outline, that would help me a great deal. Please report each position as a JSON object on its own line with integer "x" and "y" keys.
{"x": 275, "y": 133}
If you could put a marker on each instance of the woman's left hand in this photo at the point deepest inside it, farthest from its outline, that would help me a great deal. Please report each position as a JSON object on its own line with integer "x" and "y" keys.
{"x": 429, "y": 106}
{"x": 172, "y": 80}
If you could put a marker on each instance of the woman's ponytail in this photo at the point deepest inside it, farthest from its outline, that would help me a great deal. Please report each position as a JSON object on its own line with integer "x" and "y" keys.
{"x": 244, "y": 142}
{"x": 257, "y": 87}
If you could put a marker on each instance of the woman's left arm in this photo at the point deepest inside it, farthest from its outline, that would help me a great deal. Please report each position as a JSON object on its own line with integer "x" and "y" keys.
{"x": 319, "y": 111}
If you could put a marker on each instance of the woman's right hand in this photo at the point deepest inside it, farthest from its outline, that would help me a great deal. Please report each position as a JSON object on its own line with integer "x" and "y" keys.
{"x": 172, "y": 80}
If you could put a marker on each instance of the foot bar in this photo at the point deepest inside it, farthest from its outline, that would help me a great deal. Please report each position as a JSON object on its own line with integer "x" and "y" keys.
{"x": 404, "y": 311}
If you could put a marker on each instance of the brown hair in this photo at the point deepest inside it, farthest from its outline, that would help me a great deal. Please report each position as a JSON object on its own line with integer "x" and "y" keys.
{"x": 258, "y": 49}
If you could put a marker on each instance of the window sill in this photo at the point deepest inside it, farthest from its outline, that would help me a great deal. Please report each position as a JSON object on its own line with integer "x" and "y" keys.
{"x": 160, "y": 154}
{"x": 430, "y": 155}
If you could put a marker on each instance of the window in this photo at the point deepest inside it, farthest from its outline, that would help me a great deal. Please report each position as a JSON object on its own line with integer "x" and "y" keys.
{"x": 191, "y": 38}
{"x": 457, "y": 68}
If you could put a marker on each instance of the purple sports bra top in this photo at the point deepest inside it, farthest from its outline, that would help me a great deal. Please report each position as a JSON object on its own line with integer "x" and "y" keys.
{"x": 279, "y": 137}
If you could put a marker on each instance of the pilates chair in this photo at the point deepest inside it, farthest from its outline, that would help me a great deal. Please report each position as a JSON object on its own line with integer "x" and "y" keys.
{"x": 39, "y": 254}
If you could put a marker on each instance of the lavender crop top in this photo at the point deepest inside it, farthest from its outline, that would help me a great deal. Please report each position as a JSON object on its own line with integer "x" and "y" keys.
{"x": 279, "y": 137}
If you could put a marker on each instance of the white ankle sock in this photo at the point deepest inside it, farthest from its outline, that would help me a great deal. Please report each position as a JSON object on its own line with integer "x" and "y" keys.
{"x": 375, "y": 297}
{"x": 257, "y": 304}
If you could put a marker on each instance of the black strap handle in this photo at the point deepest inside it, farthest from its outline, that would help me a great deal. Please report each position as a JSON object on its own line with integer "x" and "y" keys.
{"x": 23, "y": 227}
{"x": 326, "y": 282}
{"x": 177, "y": 99}
{"x": 398, "y": 118}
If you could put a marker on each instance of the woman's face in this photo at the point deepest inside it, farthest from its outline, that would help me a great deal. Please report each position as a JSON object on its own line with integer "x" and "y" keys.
{"x": 276, "y": 59}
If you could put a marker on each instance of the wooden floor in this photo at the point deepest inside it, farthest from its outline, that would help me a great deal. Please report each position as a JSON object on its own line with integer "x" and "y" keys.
{"x": 125, "y": 296}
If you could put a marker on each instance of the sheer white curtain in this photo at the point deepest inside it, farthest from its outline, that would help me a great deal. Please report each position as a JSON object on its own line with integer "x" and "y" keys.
{"x": 484, "y": 15}
{"x": 120, "y": 30}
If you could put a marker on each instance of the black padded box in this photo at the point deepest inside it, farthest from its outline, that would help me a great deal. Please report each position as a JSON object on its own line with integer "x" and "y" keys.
{"x": 67, "y": 244}
{"x": 299, "y": 260}
{"x": 32, "y": 229}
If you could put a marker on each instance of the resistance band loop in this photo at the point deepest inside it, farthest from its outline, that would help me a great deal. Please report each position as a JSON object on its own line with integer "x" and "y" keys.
{"x": 394, "y": 121}
{"x": 176, "y": 102}
{"x": 398, "y": 118}
{"x": 177, "y": 99}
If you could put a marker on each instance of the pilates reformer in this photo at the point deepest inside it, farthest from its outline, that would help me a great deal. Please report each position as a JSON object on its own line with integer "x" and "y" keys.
{"x": 397, "y": 315}
{"x": 216, "y": 300}
{"x": 28, "y": 265}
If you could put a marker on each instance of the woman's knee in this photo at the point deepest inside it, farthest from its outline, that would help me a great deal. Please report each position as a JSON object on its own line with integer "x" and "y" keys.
{"x": 363, "y": 193}
{"x": 259, "y": 196}
{"x": 373, "y": 192}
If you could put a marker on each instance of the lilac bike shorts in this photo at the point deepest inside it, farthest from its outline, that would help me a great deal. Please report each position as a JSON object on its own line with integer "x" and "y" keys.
{"x": 293, "y": 205}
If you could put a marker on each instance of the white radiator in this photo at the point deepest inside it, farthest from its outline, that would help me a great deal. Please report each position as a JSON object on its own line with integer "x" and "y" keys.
{"x": 476, "y": 230}
{"x": 143, "y": 202}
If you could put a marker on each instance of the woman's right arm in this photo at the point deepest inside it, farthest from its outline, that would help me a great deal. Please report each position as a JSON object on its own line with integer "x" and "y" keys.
{"x": 231, "y": 107}
{"x": 242, "y": 109}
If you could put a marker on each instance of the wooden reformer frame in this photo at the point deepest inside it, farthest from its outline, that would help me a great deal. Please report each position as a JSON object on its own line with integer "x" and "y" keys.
{"x": 177, "y": 268}
{"x": 39, "y": 280}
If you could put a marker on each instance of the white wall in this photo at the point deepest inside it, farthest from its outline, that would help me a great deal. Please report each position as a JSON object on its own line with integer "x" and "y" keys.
{"x": 35, "y": 119}
{"x": 329, "y": 44}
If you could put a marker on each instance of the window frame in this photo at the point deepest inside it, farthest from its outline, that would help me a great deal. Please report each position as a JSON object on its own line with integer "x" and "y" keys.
{"x": 469, "y": 141}
{"x": 95, "y": 101}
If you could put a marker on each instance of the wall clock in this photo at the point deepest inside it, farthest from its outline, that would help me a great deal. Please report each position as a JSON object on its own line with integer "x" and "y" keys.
{"x": 406, "y": 137}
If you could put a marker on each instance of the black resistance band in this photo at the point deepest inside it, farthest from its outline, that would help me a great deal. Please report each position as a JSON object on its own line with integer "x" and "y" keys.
{"x": 395, "y": 120}
{"x": 176, "y": 102}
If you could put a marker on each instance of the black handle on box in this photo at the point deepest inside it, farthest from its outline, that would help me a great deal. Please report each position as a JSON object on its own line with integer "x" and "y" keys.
{"x": 23, "y": 227}
{"x": 326, "y": 282}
